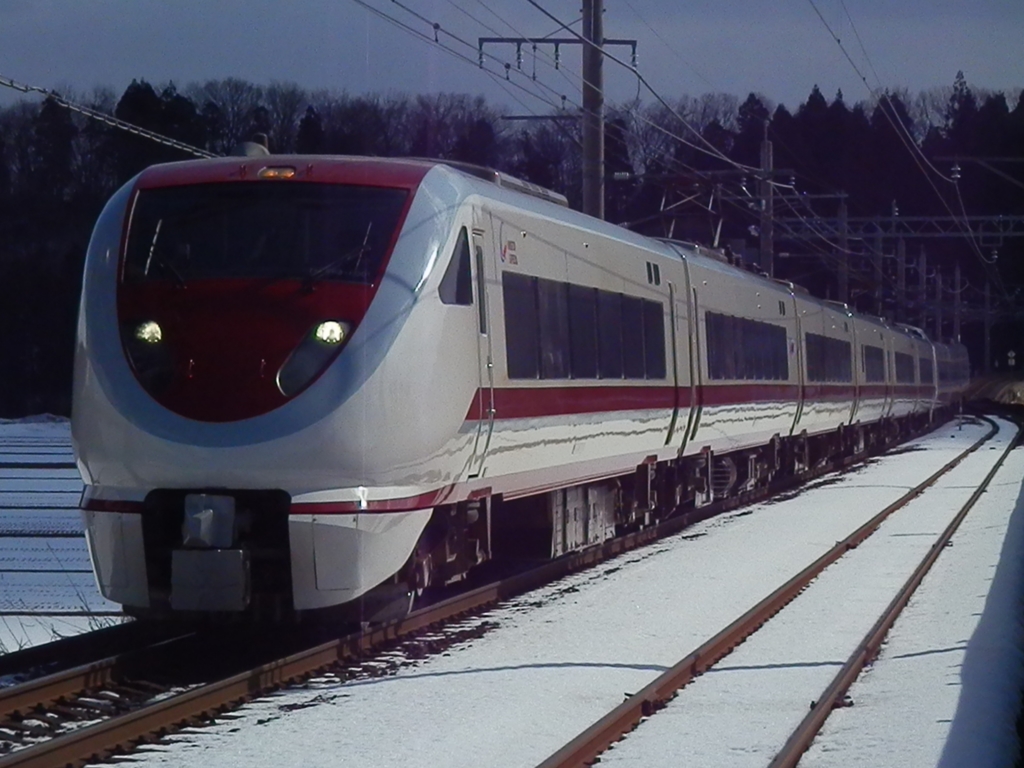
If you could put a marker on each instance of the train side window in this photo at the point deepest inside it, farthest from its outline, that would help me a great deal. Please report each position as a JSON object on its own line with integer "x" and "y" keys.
{"x": 522, "y": 341}
{"x": 609, "y": 334}
{"x": 457, "y": 284}
{"x": 904, "y": 368}
{"x": 815, "y": 355}
{"x": 553, "y": 312}
{"x": 927, "y": 377}
{"x": 654, "y": 339}
{"x": 481, "y": 288}
{"x": 583, "y": 331}
{"x": 874, "y": 363}
{"x": 828, "y": 359}
{"x": 718, "y": 330}
{"x": 632, "y": 337}
{"x": 740, "y": 348}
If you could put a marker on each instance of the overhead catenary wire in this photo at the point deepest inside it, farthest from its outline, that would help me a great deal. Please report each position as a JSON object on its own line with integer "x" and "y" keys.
{"x": 915, "y": 151}
{"x": 711, "y": 149}
{"x": 668, "y": 45}
{"x": 102, "y": 117}
{"x": 435, "y": 26}
{"x": 498, "y": 79}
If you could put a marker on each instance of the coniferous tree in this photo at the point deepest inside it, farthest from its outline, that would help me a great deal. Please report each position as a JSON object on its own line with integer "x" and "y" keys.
{"x": 54, "y": 135}
{"x": 310, "y": 137}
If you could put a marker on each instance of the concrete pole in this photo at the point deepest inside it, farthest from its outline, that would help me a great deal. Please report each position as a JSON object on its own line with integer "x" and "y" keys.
{"x": 922, "y": 289}
{"x": 593, "y": 109}
{"x": 956, "y": 304}
{"x": 988, "y": 328}
{"x": 877, "y": 276}
{"x": 767, "y": 206}
{"x": 901, "y": 281}
{"x": 844, "y": 253}
{"x": 938, "y": 304}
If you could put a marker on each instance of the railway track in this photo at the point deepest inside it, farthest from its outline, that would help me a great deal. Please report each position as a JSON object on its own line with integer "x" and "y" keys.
{"x": 109, "y": 705}
{"x": 590, "y": 744}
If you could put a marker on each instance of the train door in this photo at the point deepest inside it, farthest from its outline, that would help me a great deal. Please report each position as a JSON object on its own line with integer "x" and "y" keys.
{"x": 673, "y": 322}
{"x": 696, "y": 393}
{"x": 483, "y": 276}
{"x": 795, "y": 353}
{"x": 890, "y": 374}
{"x": 857, "y": 370}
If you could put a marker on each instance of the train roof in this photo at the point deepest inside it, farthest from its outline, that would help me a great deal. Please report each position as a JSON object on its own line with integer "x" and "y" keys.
{"x": 347, "y": 169}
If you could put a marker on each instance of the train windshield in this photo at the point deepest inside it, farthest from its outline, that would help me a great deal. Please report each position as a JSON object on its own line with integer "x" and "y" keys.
{"x": 290, "y": 230}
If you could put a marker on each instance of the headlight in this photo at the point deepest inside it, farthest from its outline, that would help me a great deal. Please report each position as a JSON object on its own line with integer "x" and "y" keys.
{"x": 312, "y": 355}
{"x": 331, "y": 332}
{"x": 149, "y": 355}
{"x": 149, "y": 332}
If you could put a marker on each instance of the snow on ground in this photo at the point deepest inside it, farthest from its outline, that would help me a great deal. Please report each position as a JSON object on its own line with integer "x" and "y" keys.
{"x": 45, "y": 575}
{"x": 961, "y": 628}
{"x": 561, "y": 656}
{"x": 743, "y": 710}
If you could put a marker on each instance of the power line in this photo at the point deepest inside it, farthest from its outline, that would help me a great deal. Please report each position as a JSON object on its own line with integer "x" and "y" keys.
{"x": 436, "y": 41}
{"x": 712, "y": 150}
{"x": 915, "y": 152}
{"x": 664, "y": 42}
{"x": 106, "y": 119}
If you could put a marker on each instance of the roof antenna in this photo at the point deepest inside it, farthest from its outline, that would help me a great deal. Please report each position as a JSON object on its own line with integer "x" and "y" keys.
{"x": 257, "y": 147}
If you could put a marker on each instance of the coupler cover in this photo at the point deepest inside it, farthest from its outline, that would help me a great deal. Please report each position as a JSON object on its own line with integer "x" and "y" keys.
{"x": 209, "y": 521}
{"x": 209, "y": 580}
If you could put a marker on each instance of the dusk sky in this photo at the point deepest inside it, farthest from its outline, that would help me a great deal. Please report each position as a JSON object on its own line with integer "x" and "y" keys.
{"x": 780, "y": 49}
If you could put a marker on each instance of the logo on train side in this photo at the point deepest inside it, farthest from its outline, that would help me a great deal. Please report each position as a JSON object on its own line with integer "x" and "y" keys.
{"x": 508, "y": 253}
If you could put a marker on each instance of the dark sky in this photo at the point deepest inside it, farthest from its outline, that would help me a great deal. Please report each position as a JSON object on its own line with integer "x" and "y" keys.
{"x": 779, "y": 48}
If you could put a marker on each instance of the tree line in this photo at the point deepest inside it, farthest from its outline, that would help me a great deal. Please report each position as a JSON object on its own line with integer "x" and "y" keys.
{"x": 57, "y": 168}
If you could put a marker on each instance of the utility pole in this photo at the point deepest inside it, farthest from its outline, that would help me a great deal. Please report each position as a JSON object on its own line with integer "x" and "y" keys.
{"x": 922, "y": 289}
{"x": 767, "y": 207}
{"x": 876, "y": 263}
{"x": 938, "y": 305}
{"x": 593, "y": 43}
{"x": 844, "y": 254}
{"x": 956, "y": 304}
{"x": 988, "y": 328}
{"x": 901, "y": 281}
{"x": 593, "y": 109}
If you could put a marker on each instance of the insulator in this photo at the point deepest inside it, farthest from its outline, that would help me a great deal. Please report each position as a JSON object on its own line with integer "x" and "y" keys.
{"x": 519, "y": 56}
{"x": 508, "y": 68}
{"x": 558, "y": 56}
{"x": 436, "y": 28}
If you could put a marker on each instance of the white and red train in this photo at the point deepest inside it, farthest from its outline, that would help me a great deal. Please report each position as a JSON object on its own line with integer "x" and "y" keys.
{"x": 300, "y": 381}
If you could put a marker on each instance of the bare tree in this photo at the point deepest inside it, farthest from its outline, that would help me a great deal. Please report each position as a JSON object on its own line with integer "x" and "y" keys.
{"x": 230, "y": 104}
{"x": 285, "y": 103}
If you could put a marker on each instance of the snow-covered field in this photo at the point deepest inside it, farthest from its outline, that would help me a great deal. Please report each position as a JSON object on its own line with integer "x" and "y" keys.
{"x": 45, "y": 582}
{"x": 943, "y": 692}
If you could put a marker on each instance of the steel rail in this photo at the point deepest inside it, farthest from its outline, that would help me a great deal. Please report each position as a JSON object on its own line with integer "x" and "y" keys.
{"x": 122, "y": 732}
{"x": 870, "y": 646}
{"x": 597, "y": 738}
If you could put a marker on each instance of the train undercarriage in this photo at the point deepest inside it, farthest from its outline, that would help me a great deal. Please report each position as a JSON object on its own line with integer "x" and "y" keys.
{"x": 493, "y": 531}
{"x": 463, "y": 536}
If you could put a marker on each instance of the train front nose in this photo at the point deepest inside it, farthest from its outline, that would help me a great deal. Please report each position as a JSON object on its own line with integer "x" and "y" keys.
{"x": 234, "y": 297}
{"x": 228, "y": 350}
{"x": 217, "y": 550}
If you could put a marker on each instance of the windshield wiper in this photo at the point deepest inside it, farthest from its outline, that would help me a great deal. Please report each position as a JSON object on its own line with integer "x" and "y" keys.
{"x": 160, "y": 261}
{"x": 326, "y": 269}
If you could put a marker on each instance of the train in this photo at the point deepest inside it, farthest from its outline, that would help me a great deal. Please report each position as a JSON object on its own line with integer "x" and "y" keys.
{"x": 307, "y": 383}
